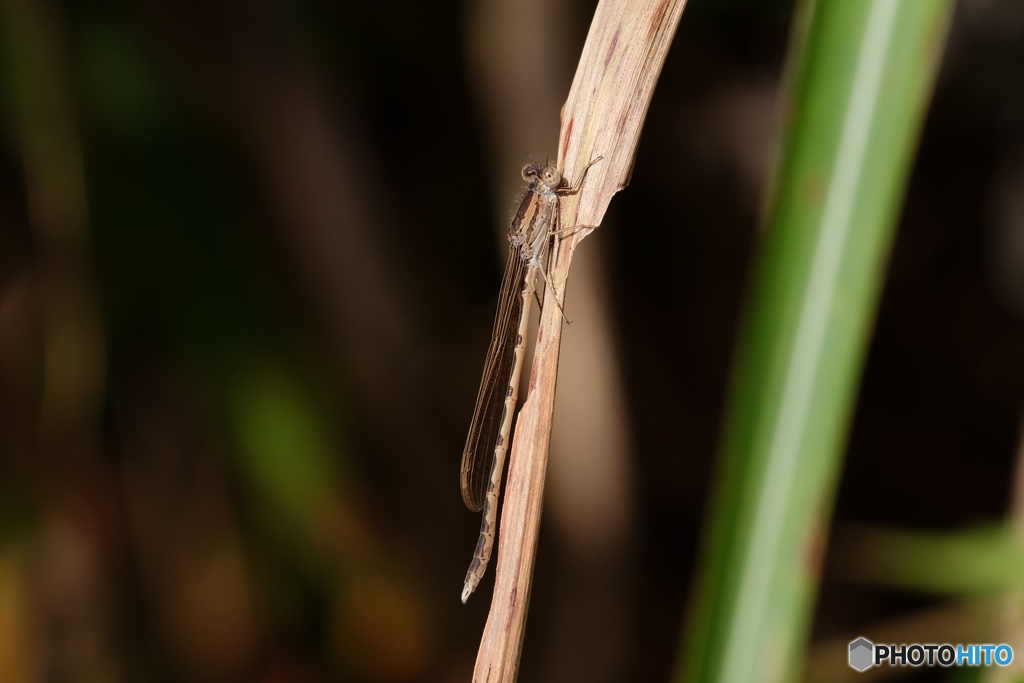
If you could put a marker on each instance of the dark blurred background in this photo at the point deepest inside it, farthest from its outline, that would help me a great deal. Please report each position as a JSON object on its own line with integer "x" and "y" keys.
{"x": 249, "y": 260}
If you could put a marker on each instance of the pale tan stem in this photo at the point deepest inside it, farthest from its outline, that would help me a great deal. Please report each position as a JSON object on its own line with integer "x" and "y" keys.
{"x": 603, "y": 116}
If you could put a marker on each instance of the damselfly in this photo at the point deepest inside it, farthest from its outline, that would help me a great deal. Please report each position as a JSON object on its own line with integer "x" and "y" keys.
{"x": 483, "y": 459}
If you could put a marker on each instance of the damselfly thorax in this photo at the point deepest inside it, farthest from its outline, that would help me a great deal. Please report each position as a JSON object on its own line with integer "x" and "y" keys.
{"x": 483, "y": 459}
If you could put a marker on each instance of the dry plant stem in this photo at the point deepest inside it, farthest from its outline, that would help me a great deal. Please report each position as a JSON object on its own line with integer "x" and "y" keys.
{"x": 72, "y": 486}
{"x": 72, "y": 335}
{"x": 623, "y": 55}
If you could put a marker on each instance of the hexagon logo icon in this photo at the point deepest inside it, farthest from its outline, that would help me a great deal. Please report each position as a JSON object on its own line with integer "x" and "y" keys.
{"x": 862, "y": 653}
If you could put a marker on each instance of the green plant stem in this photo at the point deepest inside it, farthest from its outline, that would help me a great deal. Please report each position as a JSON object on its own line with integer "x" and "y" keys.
{"x": 861, "y": 75}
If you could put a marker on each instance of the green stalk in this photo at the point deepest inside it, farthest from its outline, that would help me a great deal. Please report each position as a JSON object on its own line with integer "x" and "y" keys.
{"x": 861, "y": 73}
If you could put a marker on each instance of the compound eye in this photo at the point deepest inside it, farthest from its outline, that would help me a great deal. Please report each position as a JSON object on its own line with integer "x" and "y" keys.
{"x": 550, "y": 176}
{"x": 529, "y": 172}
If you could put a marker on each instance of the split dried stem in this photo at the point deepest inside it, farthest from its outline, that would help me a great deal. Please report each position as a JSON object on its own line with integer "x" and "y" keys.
{"x": 603, "y": 116}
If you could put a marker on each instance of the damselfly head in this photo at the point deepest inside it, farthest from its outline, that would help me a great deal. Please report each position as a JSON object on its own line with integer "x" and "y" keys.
{"x": 548, "y": 175}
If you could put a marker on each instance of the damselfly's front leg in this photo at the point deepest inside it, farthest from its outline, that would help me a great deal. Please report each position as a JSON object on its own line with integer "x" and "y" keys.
{"x": 579, "y": 181}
